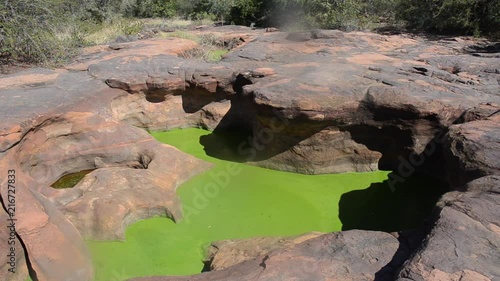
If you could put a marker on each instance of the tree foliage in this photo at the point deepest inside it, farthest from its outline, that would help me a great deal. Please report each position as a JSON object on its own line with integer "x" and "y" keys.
{"x": 479, "y": 17}
{"x": 151, "y": 8}
{"x": 221, "y": 8}
{"x": 41, "y": 30}
{"x": 26, "y": 30}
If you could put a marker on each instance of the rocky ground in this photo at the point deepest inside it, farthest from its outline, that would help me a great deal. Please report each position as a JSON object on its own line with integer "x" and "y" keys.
{"x": 312, "y": 102}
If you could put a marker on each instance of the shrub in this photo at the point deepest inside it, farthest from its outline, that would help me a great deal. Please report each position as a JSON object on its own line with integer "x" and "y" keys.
{"x": 153, "y": 9}
{"x": 339, "y": 14}
{"x": 50, "y": 31}
{"x": 39, "y": 31}
{"x": 92, "y": 33}
{"x": 478, "y": 17}
{"x": 246, "y": 12}
{"x": 27, "y": 32}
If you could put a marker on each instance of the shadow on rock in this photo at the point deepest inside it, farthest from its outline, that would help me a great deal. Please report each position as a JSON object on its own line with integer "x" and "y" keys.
{"x": 406, "y": 206}
{"x": 230, "y": 145}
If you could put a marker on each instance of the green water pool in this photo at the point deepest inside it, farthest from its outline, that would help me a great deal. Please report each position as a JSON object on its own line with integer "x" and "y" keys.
{"x": 253, "y": 202}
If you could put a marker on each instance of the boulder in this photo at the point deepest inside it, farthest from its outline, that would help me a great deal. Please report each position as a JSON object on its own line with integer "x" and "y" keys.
{"x": 349, "y": 255}
{"x": 464, "y": 243}
{"x": 135, "y": 176}
{"x": 55, "y": 248}
{"x": 472, "y": 150}
{"x": 223, "y": 254}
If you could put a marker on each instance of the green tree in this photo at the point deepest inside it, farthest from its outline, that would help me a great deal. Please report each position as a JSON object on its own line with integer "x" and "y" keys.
{"x": 221, "y": 8}
{"x": 452, "y": 16}
{"x": 153, "y": 8}
{"x": 246, "y": 12}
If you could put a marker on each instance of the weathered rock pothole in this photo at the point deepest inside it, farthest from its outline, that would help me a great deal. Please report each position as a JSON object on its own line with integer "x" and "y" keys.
{"x": 235, "y": 200}
{"x": 349, "y": 102}
{"x": 70, "y": 180}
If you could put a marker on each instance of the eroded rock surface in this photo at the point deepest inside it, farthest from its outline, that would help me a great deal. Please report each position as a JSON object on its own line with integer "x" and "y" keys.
{"x": 464, "y": 243}
{"x": 40, "y": 226}
{"x": 315, "y": 102}
{"x": 136, "y": 176}
{"x": 333, "y": 102}
{"x": 13, "y": 262}
{"x": 387, "y": 95}
{"x": 473, "y": 149}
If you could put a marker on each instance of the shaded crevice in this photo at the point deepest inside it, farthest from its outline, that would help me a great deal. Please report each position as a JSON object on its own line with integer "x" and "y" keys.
{"x": 240, "y": 82}
{"x": 257, "y": 140}
{"x": 480, "y": 112}
{"x": 207, "y": 266}
{"x": 31, "y": 271}
{"x": 391, "y": 205}
{"x": 409, "y": 242}
{"x": 241, "y": 115}
{"x": 144, "y": 161}
{"x": 233, "y": 131}
{"x": 392, "y": 141}
{"x": 285, "y": 140}
{"x": 441, "y": 161}
{"x": 193, "y": 98}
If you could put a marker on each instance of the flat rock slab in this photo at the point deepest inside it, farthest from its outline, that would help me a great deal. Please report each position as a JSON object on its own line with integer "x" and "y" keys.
{"x": 348, "y": 255}
{"x": 132, "y": 51}
{"x": 39, "y": 92}
{"x": 36, "y": 92}
{"x": 223, "y": 254}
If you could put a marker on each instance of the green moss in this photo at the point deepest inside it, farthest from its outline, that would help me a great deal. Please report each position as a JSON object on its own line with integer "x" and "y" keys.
{"x": 70, "y": 180}
{"x": 216, "y": 55}
{"x": 254, "y": 202}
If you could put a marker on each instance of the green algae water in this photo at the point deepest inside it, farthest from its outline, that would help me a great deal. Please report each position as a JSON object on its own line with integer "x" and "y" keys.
{"x": 252, "y": 202}
{"x": 70, "y": 180}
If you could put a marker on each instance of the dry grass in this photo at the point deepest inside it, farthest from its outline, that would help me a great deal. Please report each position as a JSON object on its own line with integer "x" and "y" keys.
{"x": 181, "y": 34}
{"x": 211, "y": 48}
{"x": 175, "y": 23}
{"x": 107, "y": 32}
{"x": 206, "y": 54}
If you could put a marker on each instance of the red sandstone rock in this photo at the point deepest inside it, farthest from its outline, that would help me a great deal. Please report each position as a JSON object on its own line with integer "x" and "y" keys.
{"x": 348, "y": 101}
{"x": 55, "y": 248}
{"x": 18, "y": 270}
{"x": 142, "y": 183}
